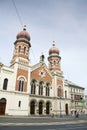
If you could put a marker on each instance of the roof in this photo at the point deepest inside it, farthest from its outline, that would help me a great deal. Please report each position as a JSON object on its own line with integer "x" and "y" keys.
{"x": 71, "y": 84}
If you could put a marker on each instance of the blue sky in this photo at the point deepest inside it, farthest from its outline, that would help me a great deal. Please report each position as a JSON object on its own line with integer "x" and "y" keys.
{"x": 62, "y": 21}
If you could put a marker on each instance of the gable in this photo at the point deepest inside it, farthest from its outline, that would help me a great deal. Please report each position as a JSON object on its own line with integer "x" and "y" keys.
{"x": 41, "y": 74}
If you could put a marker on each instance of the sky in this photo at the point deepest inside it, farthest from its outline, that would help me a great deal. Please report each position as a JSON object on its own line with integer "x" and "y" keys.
{"x": 62, "y": 21}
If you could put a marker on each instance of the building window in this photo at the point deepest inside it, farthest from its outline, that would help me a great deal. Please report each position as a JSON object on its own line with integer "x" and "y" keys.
{"x": 19, "y": 104}
{"x": 77, "y": 97}
{"x": 65, "y": 94}
{"x": 19, "y": 49}
{"x": 33, "y": 87}
{"x": 71, "y": 96}
{"x": 5, "y": 83}
{"x": 47, "y": 89}
{"x": 74, "y": 90}
{"x": 71, "y": 89}
{"x": 79, "y": 90}
{"x": 59, "y": 91}
{"x": 21, "y": 84}
{"x": 54, "y": 62}
{"x": 24, "y": 50}
{"x": 41, "y": 88}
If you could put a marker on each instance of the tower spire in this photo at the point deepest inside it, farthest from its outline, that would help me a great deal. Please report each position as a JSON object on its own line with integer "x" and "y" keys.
{"x": 53, "y": 43}
{"x": 24, "y": 28}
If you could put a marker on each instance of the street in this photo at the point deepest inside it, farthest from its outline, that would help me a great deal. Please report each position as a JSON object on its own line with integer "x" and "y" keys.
{"x": 77, "y": 126}
{"x": 42, "y": 123}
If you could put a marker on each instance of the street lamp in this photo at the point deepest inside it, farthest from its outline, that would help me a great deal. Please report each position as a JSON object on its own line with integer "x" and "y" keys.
{"x": 60, "y": 107}
{"x": 59, "y": 94}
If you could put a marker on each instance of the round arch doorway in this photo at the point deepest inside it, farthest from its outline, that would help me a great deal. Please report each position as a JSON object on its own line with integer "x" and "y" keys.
{"x": 32, "y": 107}
{"x": 66, "y": 109}
{"x": 48, "y": 108}
{"x": 40, "y": 107}
{"x": 2, "y": 106}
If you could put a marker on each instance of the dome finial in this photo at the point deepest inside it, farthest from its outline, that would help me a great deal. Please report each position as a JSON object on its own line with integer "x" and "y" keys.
{"x": 53, "y": 43}
{"x": 23, "y": 34}
{"x": 24, "y": 28}
{"x": 53, "y": 50}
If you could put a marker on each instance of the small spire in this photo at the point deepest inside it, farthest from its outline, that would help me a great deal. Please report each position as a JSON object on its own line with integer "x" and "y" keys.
{"x": 53, "y": 43}
{"x": 24, "y": 28}
{"x": 42, "y": 58}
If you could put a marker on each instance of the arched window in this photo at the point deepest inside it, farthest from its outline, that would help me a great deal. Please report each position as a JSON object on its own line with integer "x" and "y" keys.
{"x": 47, "y": 89}
{"x": 59, "y": 91}
{"x": 33, "y": 87}
{"x": 19, "y": 49}
{"x": 41, "y": 88}
{"x": 65, "y": 94}
{"x": 5, "y": 83}
{"x": 54, "y": 62}
{"x": 21, "y": 85}
{"x": 24, "y": 50}
{"x": 19, "y": 104}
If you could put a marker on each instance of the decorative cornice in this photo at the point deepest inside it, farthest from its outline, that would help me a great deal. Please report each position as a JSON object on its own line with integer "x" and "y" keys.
{"x": 22, "y": 40}
{"x": 40, "y": 96}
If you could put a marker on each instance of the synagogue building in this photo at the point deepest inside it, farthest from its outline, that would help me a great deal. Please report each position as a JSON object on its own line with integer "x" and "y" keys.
{"x": 40, "y": 89}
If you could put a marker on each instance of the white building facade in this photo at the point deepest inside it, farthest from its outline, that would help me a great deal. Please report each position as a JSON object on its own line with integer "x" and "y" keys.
{"x": 34, "y": 90}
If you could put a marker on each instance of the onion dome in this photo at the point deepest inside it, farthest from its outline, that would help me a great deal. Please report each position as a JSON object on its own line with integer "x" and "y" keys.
{"x": 54, "y": 50}
{"x": 23, "y": 34}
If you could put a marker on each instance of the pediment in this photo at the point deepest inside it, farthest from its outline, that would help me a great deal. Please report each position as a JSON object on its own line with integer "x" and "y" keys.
{"x": 41, "y": 72}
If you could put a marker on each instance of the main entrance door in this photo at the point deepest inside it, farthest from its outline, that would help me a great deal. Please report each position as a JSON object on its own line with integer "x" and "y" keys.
{"x": 2, "y": 106}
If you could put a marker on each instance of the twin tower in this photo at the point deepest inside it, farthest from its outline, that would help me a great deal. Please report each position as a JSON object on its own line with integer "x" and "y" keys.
{"x": 21, "y": 51}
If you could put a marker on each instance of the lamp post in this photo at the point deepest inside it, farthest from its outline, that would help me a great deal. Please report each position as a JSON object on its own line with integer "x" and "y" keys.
{"x": 60, "y": 107}
{"x": 60, "y": 95}
{"x": 60, "y": 100}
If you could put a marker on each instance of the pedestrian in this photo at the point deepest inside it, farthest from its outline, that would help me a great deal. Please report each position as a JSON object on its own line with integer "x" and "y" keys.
{"x": 77, "y": 114}
{"x": 52, "y": 115}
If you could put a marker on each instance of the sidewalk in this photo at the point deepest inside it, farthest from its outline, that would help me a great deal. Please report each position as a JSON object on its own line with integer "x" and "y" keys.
{"x": 25, "y": 120}
{"x": 62, "y": 117}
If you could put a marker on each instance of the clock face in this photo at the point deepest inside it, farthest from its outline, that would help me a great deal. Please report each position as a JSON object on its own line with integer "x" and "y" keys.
{"x": 42, "y": 73}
